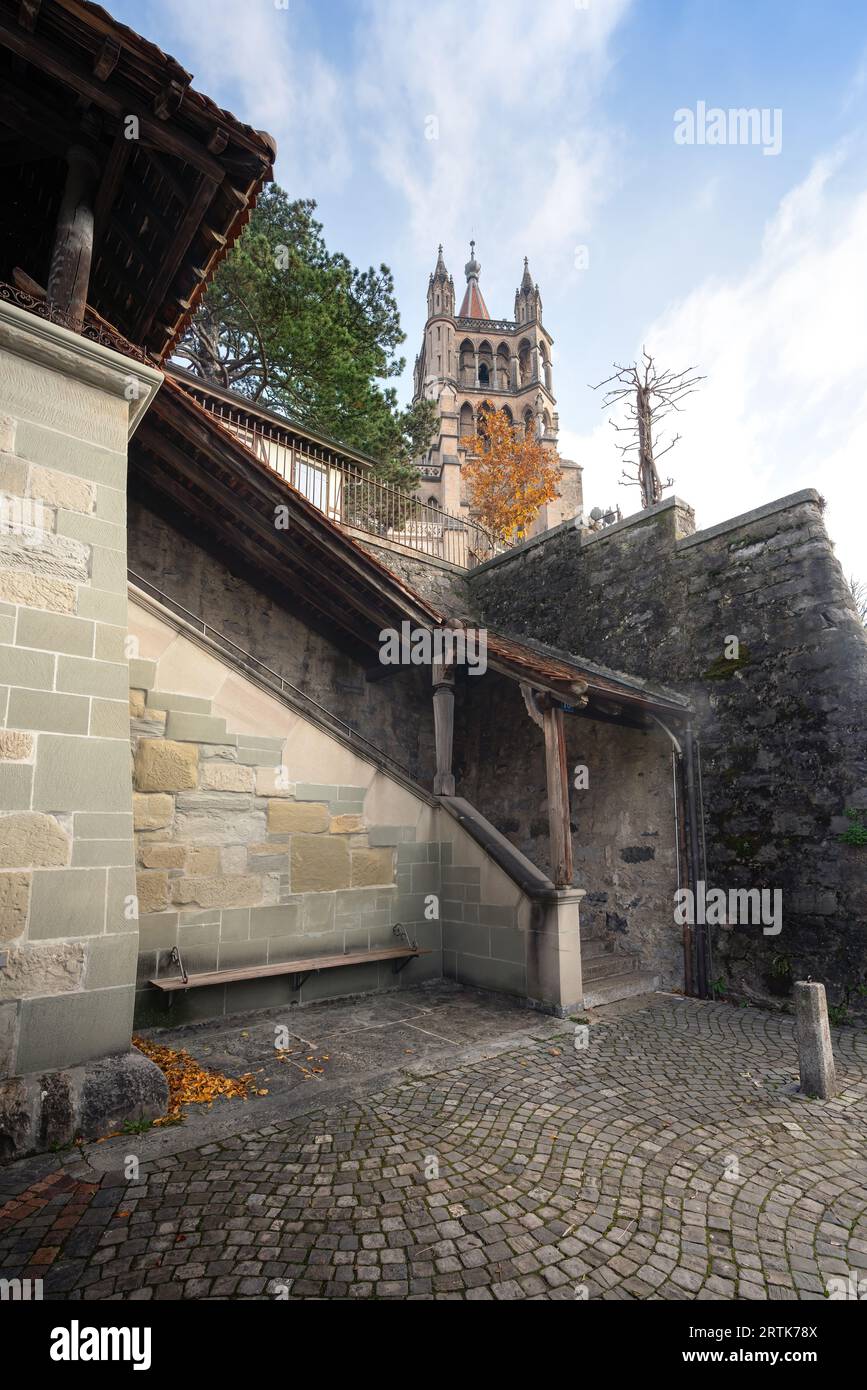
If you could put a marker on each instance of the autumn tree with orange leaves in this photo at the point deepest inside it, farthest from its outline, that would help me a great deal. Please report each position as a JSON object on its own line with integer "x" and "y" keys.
{"x": 510, "y": 475}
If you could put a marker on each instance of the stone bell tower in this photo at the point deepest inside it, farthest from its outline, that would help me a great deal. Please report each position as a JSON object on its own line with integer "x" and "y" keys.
{"x": 470, "y": 361}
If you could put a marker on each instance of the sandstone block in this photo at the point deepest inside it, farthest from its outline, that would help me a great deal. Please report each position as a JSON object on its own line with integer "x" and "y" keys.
{"x": 223, "y": 890}
{"x": 15, "y": 746}
{"x": 346, "y": 825}
{"x": 62, "y": 489}
{"x": 28, "y": 839}
{"x": 309, "y": 817}
{"x": 203, "y": 860}
{"x": 270, "y": 782}
{"x": 41, "y": 970}
{"x": 136, "y": 704}
{"x": 151, "y": 812}
{"x": 14, "y": 902}
{"x": 152, "y": 890}
{"x": 372, "y": 866}
{"x": 227, "y": 777}
{"x": 36, "y": 591}
{"x": 164, "y": 766}
{"x": 319, "y": 865}
{"x": 56, "y": 557}
{"x": 163, "y": 856}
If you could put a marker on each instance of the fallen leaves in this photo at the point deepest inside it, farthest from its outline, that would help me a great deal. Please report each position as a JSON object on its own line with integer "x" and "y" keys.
{"x": 190, "y": 1083}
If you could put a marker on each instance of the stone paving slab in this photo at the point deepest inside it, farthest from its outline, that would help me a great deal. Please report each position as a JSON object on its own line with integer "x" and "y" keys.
{"x": 669, "y": 1159}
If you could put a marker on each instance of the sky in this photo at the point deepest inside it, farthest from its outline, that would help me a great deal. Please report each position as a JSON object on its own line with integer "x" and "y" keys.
{"x": 556, "y": 130}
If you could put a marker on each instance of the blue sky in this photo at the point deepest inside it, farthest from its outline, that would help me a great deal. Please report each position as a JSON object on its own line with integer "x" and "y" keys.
{"x": 554, "y": 128}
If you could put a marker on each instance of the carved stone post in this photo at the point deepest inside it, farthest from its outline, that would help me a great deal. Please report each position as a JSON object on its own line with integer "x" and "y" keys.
{"x": 69, "y": 275}
{"x": 444, "y": 724}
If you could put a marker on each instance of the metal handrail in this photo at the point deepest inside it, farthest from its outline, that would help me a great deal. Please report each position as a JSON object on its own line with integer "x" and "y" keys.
{"x": 266, "y": 674}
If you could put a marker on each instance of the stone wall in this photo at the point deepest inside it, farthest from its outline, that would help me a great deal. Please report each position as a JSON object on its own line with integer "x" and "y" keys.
{"x": 68, "y": 927}
{"x": 622, "y": 821}
{"x": 261, "y": 838}
{"x": 396, "y": 714}
{"x": 782, "y": 727}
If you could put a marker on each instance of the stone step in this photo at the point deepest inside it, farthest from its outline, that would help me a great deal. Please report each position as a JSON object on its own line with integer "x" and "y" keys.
{"x": 603, "y": 969}
{"x": 608, "y": 991}
{"x": 187, "y": 704}
{"x": 197, "y": 728}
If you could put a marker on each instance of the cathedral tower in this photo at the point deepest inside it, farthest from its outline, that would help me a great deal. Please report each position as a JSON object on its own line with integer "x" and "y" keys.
{"x": 470, "y": 361}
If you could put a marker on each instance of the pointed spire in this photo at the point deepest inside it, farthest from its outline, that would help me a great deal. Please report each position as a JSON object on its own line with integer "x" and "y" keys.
{"x": 526, "y": 279}
{"x": 440, "y": 272}
{"x": 473, "y": 306}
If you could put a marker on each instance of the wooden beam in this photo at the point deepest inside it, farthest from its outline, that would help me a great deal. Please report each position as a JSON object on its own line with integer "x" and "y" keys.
{"x": 106, "y": 59}
{"x": 557, "y": 778}
{"x": 118, "y": 101}
{"x": 169, "y": 101}
{"x": 69, "y": 276}
{"x": 545, "y": 712}
{"x": 112, "y": 178}
{"x": 28, "y": 13}
{"x": 196, "y": 209}
{"x": 219, "y": 140}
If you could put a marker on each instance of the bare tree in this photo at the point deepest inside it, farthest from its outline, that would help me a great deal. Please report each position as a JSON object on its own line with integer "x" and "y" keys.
{"x": 651, "y": 395}
{"x": 859, "y": 594}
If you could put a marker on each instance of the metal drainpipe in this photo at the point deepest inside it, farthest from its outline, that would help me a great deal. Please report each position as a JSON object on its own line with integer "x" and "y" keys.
{"x": 694, "y": 815}
{"x": 685, "y": 877}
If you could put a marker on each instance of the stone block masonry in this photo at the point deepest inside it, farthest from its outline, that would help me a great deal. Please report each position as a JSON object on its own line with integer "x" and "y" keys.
{"x": 68, "y": 922}
{"x": 782, "y": 725}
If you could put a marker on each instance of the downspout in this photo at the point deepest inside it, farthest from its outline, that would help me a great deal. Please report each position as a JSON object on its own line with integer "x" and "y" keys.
{"x": 686, "y": 822}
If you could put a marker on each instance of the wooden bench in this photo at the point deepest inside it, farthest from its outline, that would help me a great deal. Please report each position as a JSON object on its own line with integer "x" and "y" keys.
{"x": 300, "y": 969}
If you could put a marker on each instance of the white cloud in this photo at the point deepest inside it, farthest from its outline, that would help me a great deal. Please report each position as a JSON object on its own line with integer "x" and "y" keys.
{"x": 283, "y": 86}
{"x": 517, "y": 153}
{"x": 785, "y": 353}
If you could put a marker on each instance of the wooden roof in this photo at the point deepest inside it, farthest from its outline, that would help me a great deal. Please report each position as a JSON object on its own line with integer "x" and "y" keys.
{"x": 213, "y": 484}
{"x": 169, "y": 204}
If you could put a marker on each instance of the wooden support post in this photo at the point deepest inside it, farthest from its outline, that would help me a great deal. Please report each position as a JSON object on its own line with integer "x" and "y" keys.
{"x": 558, "y": 794}
{"x": 549, "y": 716}
{"x": 69, "y": 276}
{"x": 444, "y": 725}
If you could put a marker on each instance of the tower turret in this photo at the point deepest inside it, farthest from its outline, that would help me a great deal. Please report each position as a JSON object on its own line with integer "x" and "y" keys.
{"x": 440, "y": 290}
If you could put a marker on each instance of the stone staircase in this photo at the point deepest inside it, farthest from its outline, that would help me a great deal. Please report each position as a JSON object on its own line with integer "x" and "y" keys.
{"x": 610, "y": 974}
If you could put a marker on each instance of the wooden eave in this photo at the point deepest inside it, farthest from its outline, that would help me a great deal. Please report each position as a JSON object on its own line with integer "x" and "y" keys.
{"x": 168, "y": 205}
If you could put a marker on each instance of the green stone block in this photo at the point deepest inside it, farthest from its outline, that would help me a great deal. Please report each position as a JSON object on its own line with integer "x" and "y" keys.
{"x": 33, "y": 670}
{"x": 235, "y": 955}
{"x": 111, "y": 505}
{"x": 91, "y": 531}
{"x": 44, "y": 710}
{"x": 273, "y": 921}
{"x": 67, "y": 902}
{"x": 110, "y": 644}
{"x": 65, "y": 1030}
{"x": 111, "y": 960}
{"x": 158, "y": 931}
{"x": 197, "y": 728}
{"x": 235, "y": 924}
{"x": 108, "y": 679}
{"x": 56, "y": 449}
{"x": 108, "y": 567}
{"x": 103, "y": 853}
{"x": 105, "y": 607}
{"x": 142, "y": 674}
{"x": 315, "y": 791}
{"x": 95, "y": 826}
{"x": 189, "y": 704}
{"x": 82, "y": 774}
{"x": 7, "y": 628}
{"x": 109, "y": 719}
{"x": 54, "y": 632}
{"x": 121, "y": 912}
{"x": 16, "y": 786}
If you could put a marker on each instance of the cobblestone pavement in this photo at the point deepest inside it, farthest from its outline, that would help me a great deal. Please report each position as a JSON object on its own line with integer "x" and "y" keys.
{"x": 666, "y": 1160}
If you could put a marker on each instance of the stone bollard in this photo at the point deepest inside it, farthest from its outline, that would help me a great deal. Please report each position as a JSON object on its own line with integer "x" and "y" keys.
{"x": 815, "y": 1055}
